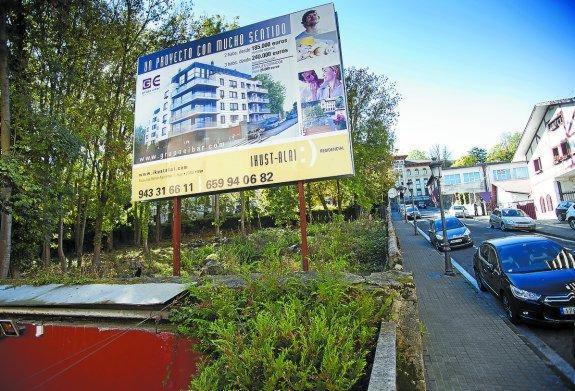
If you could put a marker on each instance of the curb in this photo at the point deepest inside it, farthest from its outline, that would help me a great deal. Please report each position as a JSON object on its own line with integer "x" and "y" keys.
{"x": 383, "y": 373}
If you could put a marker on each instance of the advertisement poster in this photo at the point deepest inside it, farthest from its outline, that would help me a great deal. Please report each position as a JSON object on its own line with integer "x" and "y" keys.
{"x": 260, "y": 105}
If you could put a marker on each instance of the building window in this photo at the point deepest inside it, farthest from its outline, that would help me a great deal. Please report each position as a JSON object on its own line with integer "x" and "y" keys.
{"x": 453, "y": 179}
{"x": 425, "y": 171}
{"x": 233, "y": 94}
{"x": 223, "y": 119}
{"x": 408, "y": 172}
{"x": 233, "y": 106}
{"x": 418, "y": 192}
{"x": 416, "y": 171}
{"x": 245, "y": 117}
{"x": 222, "y": 106}
{"x": 165, "y": 105}
{"x": 537, "y": 165}
{"x": 521, "y": 173}
{"x": 243, "y": 95}
{"x": 233, "y": 84}
{"x": 221, "y": 93}
{"x": 234, "y": 118}
{"x": 166, "y": 94}
{"x": 502, "y": 175}
{"x": 164, "y": 118}
{"x": 469, "y": 177}
{"x": 249, "y": 85}
{"x": 221, "y": 81}
{"x": 243, "y": 106}
{"x": 565, "y": 148}
{"x": 542, "y": 202}
{"x": 549, "y": 203}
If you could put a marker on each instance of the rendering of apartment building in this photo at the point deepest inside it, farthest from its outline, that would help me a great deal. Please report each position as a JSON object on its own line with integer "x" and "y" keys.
{"x": 205, "y": 96}
{"x": 548, "y": 144}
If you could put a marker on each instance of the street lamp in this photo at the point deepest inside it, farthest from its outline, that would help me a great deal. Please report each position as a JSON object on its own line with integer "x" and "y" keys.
{"x": 409, "y": 183}
{"x": 436, "y": 174}
{"x": 401, "y": 190}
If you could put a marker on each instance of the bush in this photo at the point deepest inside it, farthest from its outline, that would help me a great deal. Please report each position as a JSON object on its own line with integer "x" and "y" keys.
{"x": 279, "y": 333}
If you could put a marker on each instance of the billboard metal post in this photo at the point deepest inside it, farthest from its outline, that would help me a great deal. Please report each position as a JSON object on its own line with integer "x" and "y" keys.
{"x": 303, "y": 228}
{"x": 176, "y": 234}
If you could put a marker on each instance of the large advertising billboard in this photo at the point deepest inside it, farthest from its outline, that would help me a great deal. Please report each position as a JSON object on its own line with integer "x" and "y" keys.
{"x": 259, "y": 105}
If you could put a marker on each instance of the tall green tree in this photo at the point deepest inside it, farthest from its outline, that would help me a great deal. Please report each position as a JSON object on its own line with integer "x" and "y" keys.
{"x": 372, "y": 111}
{"x": 417, "y": 154}
{"x": 504, "y": 150}
{"x": 276, "y": 93}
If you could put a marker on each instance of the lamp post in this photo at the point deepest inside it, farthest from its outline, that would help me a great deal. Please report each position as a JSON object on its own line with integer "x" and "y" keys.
{"x": 412, "y": 191}
{"x": 401, "y": 192}
{"x": 436, "y": 174}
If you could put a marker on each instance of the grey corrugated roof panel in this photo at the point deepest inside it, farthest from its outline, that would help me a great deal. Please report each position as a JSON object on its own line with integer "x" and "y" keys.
{"x": 93, "y": 294}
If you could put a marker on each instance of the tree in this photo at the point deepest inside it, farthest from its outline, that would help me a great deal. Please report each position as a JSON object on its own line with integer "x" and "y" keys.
{"x": 417, "y": 154}
{"x": 441, "y": 152}
{"x": 465, "y": 161}
{"x": 478, "y": 154}
{"x": 372, "y": 112}
{"x": 504, "y": 150}
{"x": 276, "y": 93}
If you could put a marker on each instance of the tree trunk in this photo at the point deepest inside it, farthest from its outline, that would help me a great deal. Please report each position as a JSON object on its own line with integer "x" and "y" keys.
{"x": 46, "y": 251}
{"x": 110, "y": 241}
{"x": 5, "y": 135}
{"x": 217, "y": 214}
{"x": 97, "y": 238}
{"x": 61, "y": 255}
{"x": 158, "y": 222}
{"x": 338, "y": 196}
{"x": 243, "y": 210}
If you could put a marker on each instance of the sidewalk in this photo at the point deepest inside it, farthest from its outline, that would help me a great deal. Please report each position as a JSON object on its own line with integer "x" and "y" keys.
{"x": 468, "y": 344}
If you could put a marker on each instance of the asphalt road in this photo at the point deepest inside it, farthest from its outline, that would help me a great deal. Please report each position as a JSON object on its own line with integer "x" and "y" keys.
{"x": 558, "y": 338}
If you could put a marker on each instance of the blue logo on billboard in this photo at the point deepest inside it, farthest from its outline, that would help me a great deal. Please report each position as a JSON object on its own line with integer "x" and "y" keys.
{"x": 151, "y": 82}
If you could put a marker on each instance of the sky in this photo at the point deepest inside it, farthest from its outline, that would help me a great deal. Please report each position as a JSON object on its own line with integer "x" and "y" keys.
{"x": 467, "y": 71}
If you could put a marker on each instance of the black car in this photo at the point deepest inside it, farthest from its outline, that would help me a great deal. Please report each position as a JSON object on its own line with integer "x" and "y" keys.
{"x": 458, "y": 234}
{"x": 532, "y": 275}
{"x": 561, "y": 210}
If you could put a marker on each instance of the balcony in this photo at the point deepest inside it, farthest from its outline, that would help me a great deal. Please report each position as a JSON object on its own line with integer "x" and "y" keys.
{"x": 198, "y": 81}
{"x": 260, "y": 111}
{"x": 194, "y": 96}
{"x": 198, "y": 110}
{"x": 257, "y": 89}
{"x": 258, "y": 100}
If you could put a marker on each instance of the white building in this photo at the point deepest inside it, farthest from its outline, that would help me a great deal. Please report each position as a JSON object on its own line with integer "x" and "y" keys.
{"x": 548, "y": 144}
{"x": 417, "y": 171}
{"x": 501, "y": 184}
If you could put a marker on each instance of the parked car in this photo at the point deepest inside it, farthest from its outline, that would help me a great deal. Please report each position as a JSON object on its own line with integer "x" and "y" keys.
{"x": 458, "y": 211}
{"x": 411, "y": 212}
{"x": 511, "y": 218}
{"x": 458, "y": 234}
{"x": 570, "y": 216}
{"x": 268, "y": 123}
{"x": 561, "y": 210}
{"x": 531, "y": 275}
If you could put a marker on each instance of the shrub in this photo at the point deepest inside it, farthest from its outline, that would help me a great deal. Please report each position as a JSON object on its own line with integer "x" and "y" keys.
{"x": 279, "y": 333}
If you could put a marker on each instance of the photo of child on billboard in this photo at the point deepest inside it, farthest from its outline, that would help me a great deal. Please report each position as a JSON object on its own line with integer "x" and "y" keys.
{"x": 316, "y": 40}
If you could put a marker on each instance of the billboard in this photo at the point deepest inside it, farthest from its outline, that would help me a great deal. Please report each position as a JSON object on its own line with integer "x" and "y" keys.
{"x": 260, "y": 105}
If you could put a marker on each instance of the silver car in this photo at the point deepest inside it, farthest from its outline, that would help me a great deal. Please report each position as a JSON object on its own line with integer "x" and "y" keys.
{"x": 511, "y": 218}
{"x": 458, "y": 211}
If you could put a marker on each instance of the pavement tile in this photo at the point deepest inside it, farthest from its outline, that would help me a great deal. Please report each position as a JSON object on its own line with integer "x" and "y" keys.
{"x": 468, "y": 345}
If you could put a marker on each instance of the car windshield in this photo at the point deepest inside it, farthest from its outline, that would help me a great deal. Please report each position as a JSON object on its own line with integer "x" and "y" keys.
{"x": 535, "y": 256}
{"x": 411, "y": 209}
{"x": 449, "y": 224}
{"x": 458, "y": 207}
{"x": 512, "y": 213}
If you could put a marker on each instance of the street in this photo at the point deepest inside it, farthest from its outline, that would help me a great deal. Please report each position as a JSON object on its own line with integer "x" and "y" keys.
{"x": 557, "y": 338}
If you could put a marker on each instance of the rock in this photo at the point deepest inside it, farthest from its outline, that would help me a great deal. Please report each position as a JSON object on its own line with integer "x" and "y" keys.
{"x": 212, "y": 257}
{"x": 294, "y": 248}
{"x": 353, "y": 278}
{"x": 212, "y": 267}
{"x": 229, "y": 281}
{"x": 398, "y": 267}
{"x": 383, "y": 279}
{"x": 196, "y": 243}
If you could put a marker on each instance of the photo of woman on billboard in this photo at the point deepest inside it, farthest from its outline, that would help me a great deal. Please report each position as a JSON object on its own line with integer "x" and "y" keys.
{"x": 312, "y": 83}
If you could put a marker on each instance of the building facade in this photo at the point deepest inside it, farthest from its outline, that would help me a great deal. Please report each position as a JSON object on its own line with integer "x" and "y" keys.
{"x": 547, "y": 144}
{"x": 205, "y": 96}
{"x": 417, "y": 171}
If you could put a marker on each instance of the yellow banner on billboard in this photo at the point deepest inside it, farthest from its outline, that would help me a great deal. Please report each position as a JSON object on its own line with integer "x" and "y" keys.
{"x": 319, "y": 157}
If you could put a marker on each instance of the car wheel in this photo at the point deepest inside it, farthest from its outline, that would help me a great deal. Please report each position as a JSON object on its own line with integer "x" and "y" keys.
{"x": 511, "y": 312}
{"x": 572, "y": 222}
{"x": 503, "y": 227}
{"x": 480, "y": 283}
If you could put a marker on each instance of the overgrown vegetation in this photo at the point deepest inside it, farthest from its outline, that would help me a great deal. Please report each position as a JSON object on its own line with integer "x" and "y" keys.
{"x": 280, "y": 333}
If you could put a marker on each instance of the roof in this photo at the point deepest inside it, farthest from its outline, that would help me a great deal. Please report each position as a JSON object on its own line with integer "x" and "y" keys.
{"x": 93, "y": 294}
{"x": 521, "y": 186}
{"x": 535, "y": 119}
{"x": 413, "y": 162}
{"x": 516, "y": 240}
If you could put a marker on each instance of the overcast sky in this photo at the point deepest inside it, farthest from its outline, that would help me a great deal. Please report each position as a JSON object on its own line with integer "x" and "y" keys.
{"x": 467, "y": 70}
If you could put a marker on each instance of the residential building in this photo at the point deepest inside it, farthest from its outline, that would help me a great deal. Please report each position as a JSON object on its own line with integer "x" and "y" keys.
{"x": 204, "y": 96}
{"x": 417, "y": 171}
{"x": 547, "y": 144}
{"x": 490, "y": 184}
